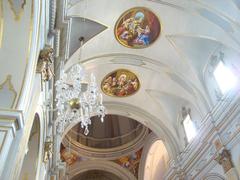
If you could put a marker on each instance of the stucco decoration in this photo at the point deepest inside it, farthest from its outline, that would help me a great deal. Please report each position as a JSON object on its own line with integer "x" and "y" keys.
{"x": 225, "y": 160}
{"x": 213, "y": 176}
{"x": 7, "y": 93}
{"x": 45, "y": 61}
{"x": 17, "y": 7}
{"x": 137, "y": 28}
{"x": 120, "y": 83}
{"x": 131, "y": 162}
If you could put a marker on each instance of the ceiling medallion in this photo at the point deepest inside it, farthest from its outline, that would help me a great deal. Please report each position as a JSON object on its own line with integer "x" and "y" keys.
{"x": 77, "y": 100}
{"x": 137, "y": 28}
{"x": 120, "y": 83}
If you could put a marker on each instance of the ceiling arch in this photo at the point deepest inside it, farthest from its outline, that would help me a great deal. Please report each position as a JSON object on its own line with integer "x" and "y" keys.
{"x": 171, "y": 70}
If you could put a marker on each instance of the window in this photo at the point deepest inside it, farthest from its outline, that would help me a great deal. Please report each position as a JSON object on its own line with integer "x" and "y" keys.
{"x": 189, "y": 128}
{"x": 224, "y": 77}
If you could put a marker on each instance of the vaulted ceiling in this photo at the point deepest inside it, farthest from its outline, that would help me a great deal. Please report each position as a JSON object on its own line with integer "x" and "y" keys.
{"x": 173, "y": 71}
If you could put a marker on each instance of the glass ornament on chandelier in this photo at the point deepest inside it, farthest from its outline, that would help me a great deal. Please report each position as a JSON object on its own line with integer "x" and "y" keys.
{"x": 77, "y": 100}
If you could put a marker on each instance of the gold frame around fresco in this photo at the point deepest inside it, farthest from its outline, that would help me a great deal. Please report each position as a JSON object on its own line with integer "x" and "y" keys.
{"x": 124, "y": 14}
{"x": 124, "y": 70}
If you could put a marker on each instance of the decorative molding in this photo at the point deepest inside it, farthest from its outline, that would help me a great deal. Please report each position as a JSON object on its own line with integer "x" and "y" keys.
{"x": 10, "y": 123}
{"x": 7, "y": 83}
{"x": 213, "y": 176}
{"x": 15, "y": 117}
{"x": 17, "y": 7}
{"x": 107, "y": 153}
{"x": 150, "y": 121}
{"x": 108, "y": 166}
{"x": 3, "y": 131}
{"x": 198, "y": 157}
{"x": 72, "y": 3}
{"x": 29, "y": 48}
{"x": 52, "y": 15}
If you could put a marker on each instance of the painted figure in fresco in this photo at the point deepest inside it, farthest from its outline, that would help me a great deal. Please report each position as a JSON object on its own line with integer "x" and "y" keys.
{"x": 120, "y": 86}
{"x": 143, "y": 36}
{"x": 137, "y": 28}
{"x": 134, "y": 31}
{"x": 131, "y": 162}
{"x": 68, "y": 157}
{"x": 108, "y": 84}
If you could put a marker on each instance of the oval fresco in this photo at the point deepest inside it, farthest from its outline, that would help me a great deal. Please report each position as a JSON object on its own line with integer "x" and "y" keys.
{"x": 120, "y": 83}
{"x": 137, "y": 28}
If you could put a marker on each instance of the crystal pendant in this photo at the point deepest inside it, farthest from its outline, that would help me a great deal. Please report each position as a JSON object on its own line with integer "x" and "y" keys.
{"x": 77, "y": 100}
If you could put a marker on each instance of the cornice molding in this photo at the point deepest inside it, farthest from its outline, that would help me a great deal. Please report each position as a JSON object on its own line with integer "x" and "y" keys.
{"x": 220, "y": 128}
{"x": 108, "y": 166}
{"x": 107, "y": 153}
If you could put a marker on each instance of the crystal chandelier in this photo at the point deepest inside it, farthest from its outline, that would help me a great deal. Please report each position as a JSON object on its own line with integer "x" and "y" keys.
{"x": 77, "y": 100}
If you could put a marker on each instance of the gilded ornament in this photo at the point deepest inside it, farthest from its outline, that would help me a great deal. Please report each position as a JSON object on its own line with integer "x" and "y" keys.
{"x": 45, "y": 62}
{"x": 48, "y": 149}
{"x": 120, "y": 83}
{"x": 225, "y": 160}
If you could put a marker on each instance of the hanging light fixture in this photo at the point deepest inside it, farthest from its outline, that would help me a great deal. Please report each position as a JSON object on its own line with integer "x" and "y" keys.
{"x": 77, "y": 100}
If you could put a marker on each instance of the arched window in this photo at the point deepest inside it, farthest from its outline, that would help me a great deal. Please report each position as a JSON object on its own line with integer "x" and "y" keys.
{"x": 188, "y": 124}
{"x": 221, "y": 73}
{"x": 224, "y": 77}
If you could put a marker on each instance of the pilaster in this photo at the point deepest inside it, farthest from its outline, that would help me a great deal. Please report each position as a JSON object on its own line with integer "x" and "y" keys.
{"x": 11, "y": 123}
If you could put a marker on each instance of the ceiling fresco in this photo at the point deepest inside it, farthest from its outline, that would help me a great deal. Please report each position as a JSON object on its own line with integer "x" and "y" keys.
{"x": 168, "y": 44}
{"x": 120, "y": 83}
{"x": 137, "y": 28}
{"x": 68, "y": 156}
{"x": 130, "y": 162}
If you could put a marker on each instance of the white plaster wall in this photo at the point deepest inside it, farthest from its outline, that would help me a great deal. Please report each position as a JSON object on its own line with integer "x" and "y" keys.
{"x": 30, "y": 162}
{"x": 156, "y": 162}
{"x": 16, "y": 44}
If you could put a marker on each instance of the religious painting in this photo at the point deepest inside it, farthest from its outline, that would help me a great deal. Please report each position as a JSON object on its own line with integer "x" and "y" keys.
{"x": 137, "y": 28}
{"x": 67, "y": 156}
{"x": 131, "y": 162}
{"x": 120, "y": 83}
